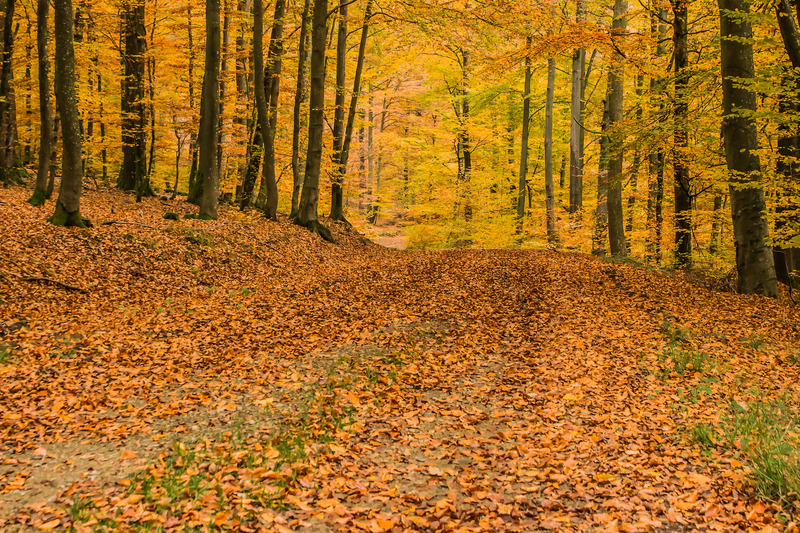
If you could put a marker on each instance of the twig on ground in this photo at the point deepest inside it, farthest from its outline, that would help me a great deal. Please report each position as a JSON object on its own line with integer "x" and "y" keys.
{"x": 39, "y": 279}
{"x": 110, "y": 222}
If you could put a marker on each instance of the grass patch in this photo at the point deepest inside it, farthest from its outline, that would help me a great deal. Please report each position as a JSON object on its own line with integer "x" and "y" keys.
{"x": 679, "y": 354}
{"x": 6, "y": 354}
{"x": 767, "y": 434}
{"x": 194, "y": 236}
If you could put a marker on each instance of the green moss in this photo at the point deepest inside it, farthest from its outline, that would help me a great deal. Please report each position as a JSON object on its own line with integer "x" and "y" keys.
{"x": 205, "y": 216}
{"x": 38, "y": 197}
{"x": 169, "y": 215}
{"x": 62, "y": 217}
{"x": 189, "y": 216}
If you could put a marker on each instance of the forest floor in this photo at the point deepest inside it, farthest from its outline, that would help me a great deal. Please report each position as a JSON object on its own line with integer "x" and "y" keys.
{"x": 245, "y": 375}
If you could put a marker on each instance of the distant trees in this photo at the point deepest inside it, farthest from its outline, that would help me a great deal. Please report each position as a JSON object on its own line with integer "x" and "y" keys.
{"x": 461, "y": 113}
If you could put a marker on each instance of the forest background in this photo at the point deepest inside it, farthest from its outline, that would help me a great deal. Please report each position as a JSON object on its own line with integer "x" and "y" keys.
{"x": 588, "y": 126}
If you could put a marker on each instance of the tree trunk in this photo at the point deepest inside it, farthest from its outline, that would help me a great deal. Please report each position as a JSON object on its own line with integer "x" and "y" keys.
{"x": 337, "y": 179}
{"x": 268, "y": 191}
{"x": 754, "y": 261}
{"x": 133, "y": 172}
{"x": 683, "y": 198}
{"x": 151, "y": 75}
{"x": 208, "y": 169}
{"x": 576, "y": 121}
{"x": 226, "y": 24}
{"x": 45, "y": 109}
{"x": 616, "y": 228}
{"x": 351, "y": 114}
{"x": 552, "y": 235}
{"x": 8, "y": 125}
{"x": 656, "y": 157}
{"x": 637, "y": 162}
{"x": 299, "y": 96}
{"x": 262, "y": 105}
{"x": 523, "y": 157}
{"x": 195, "y": 186}
{"x": 67, "y": 212}
{"x": 601, "y": 211}
{"x": 307, "y": 212}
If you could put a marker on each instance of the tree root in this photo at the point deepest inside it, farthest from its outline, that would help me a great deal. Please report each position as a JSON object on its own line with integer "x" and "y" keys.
{"x": 315, "y": 226}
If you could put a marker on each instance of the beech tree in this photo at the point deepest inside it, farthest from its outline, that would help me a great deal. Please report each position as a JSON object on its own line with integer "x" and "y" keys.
{"x": 67, "y": 212}
{"x": 40, "y": 192}
{"x": 754, "y": 262}
{"x": 208, "y": 169}
{"x": 616, "y": 229}
{"x": 133, "y": 172}
{"x": 309, "y": 199}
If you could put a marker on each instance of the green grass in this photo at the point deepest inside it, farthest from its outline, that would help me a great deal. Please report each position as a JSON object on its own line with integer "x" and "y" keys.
{"x": 679, "y": 354}
{"x": 6, "y": 354}
{"x": 767, "y": 434}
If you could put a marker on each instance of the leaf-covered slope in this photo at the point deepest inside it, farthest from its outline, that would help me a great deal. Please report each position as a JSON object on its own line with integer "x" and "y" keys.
{"x": 245, "y": 375}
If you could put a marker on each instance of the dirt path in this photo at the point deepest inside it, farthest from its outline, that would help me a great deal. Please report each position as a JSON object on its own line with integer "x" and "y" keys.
{"x": 311, "y": 387}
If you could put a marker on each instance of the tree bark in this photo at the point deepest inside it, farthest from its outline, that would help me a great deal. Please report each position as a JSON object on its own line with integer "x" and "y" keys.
{"x": 552, "y": 235}
{"x": 351, "y": 114}
{"x": 67, "y": 212}
{"x": 307, "y": 212}
{"x": 616, "y": 228}
{"x": 576, "y": 120}
{"x": 656, "y": 157}
{"x": 208, "y": 169}
{"x": 8, "y": 126}
{"x": 337, "y": 179}
{"x": 268, "y": 191}
{"x": 754, "y": 260}
{"x": 683, "y": 198}
{"x": 601, "y": 210}
{"x": 523, "y": 157}
{"x": 262, "y": 105}
{"x": 637, "y": 162}
{"x": 299, "y": 96}
{"x": 45, "y": 108}
{"x": 134, "y": 160}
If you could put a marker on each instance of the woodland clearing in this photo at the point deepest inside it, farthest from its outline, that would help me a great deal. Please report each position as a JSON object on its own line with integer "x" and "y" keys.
{"x": 245, "y": 375}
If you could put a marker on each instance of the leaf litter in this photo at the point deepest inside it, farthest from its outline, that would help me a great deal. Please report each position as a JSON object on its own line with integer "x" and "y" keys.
{"x": 244, "y": 375}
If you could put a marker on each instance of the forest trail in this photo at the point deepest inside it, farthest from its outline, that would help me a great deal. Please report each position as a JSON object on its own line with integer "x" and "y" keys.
{"x": 244, "y": 375}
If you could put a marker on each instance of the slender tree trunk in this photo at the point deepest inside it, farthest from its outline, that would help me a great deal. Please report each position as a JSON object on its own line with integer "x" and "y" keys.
{"x": 299, "y": 96}
{"x": 337, "y": 179}
{"x": 208, "y": 169}
{"x": 195, "y": 185}
{"x": 45, "y": 108}
{"x": 262, "y": 105}
{"x": 601, "y": 211}
{"x": 464, "y": 135}
{"x": 151, "y": 74}
{"x": 716, "y": 222}
{"x": 576, "y": 121}
{"x": 523, "y": 157}
{"x": 616, "y": 228}
{"x": 754, "y": 261}
{"x": 550, "y": 208}
{"x": 67, "y": 212}
{"x": 656, "y": 157}
{"x": 637, "y": 163}
{"x": 7, "y": 111}
{"x": 351, "y": 114}
{"x": 226, "y": 24}
{"x": 683, "y": 198}
{"x": 133, "y": 172}
{"x": 307, "y": 214}
{"x": 241, "y": 119}
{"x": 268, "y": 191}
